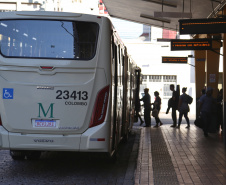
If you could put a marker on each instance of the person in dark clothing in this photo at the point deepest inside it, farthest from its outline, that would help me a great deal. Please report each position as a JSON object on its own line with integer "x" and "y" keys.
{"x": 205, "y": 109}
{"x": 183, "y": 107}
{"x": 203, "y": 92}
{"x": 174, "y": 105}
{"x": 147, "y": 107}
{"x": 157, "y": 105}
{"x": 198, "y": 122}
{"x": 138, "y": 108}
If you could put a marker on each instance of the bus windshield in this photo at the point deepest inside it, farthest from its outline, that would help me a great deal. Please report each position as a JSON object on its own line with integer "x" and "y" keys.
{"x": 54, "y": 39}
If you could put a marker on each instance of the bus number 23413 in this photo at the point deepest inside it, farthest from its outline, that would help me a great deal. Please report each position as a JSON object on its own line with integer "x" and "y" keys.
{"x": 76, "y": 95}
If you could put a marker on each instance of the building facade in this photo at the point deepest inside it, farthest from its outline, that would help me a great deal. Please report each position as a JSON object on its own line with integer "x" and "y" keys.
{"x": 76, "y": 6}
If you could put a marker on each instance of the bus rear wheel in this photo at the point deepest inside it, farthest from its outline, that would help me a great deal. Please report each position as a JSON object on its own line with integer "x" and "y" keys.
{"x": 33, "y": 155}
{"x": 17, "y": 155}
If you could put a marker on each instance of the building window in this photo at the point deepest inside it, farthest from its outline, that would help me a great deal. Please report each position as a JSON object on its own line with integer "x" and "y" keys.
{"x": 167, "y": 78}
{"x": 144, "y": 78}
{"x": 166, "y": 90}
{"x": 155, "y": 78}
{"x": 7, "y": 10}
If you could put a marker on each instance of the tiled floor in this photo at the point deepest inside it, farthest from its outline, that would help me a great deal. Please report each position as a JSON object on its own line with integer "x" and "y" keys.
{"x": 196, "y": 159}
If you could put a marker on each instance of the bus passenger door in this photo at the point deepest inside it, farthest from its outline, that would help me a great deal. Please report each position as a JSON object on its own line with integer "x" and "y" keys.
{"x": 126, "y": 95}
{"x": 114, "y": 94}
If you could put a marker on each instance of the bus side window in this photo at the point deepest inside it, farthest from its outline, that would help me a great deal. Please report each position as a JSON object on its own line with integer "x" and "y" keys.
{"x": 119, "y": 64}
{"x": 123, "y": 66}
{"x": 115, "y": 54}
{"x": 112, "y": 47}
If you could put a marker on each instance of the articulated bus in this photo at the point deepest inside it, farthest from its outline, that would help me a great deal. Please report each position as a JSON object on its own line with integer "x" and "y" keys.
{"x": 67, "y": 83}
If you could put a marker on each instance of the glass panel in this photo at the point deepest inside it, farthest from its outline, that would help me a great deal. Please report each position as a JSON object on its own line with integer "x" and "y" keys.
{"x": 154, "y": 78}
{"x": 144, "y": 77}
{"x": 166, "y": 90}
{"x": 169, "y": 78}
{"x": 48, "y": 39}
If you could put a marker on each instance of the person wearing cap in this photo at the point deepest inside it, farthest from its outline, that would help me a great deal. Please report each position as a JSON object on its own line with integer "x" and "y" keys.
{"x": 205, "y": 108}
{"x": 147, "y": 107}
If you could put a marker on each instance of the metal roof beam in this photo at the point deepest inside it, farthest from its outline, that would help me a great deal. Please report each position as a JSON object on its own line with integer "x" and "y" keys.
{"x": 173, "y": 14}
{"x": 160, "y": 2}
{"x": 155, "y": 18}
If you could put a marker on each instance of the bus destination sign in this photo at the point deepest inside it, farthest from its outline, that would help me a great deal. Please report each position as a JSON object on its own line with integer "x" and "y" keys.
{"x": 191, "y": 44}
{"x": 177, "y": 60}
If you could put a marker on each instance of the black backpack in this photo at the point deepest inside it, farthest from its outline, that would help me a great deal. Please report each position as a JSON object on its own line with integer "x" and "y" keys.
{"x": 198, "y": 122}
{"x": 189, "y": 99}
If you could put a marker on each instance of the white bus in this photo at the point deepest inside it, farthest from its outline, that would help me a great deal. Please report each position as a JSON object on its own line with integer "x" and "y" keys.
{"x": 66, "y": 84}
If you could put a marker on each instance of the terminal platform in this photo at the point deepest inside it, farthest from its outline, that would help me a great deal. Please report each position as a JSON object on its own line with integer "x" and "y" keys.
{"x": 179, "y": 156}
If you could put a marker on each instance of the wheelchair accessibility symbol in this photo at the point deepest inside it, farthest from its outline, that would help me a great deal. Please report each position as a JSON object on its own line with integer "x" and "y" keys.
{"x": 7, "y": 93}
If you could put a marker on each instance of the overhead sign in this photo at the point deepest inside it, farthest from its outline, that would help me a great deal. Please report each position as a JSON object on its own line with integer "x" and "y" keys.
{"x": 202, "y": 26}
{"x": 192, "y": 44}
{"x": 177, "y": 60}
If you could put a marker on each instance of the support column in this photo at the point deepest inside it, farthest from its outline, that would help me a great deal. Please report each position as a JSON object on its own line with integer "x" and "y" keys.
{"x": 200, "y": 77}
{"x": 200, "y": 58}
{"x": 212, "y": 67}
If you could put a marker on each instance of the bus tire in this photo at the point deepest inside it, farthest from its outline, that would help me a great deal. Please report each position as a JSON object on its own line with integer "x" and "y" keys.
{"x": 33, "y": 155}
{"x": 17, "y": 155}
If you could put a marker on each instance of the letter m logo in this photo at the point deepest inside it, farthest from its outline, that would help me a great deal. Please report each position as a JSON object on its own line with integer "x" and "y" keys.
{"x": 45, "y": 113}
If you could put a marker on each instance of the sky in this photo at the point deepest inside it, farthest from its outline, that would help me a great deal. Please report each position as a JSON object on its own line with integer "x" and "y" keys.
{"x": 127, "y": 29}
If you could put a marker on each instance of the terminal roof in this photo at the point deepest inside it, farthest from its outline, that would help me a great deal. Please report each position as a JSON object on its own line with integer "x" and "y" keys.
{"x": 163, "y": 13}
